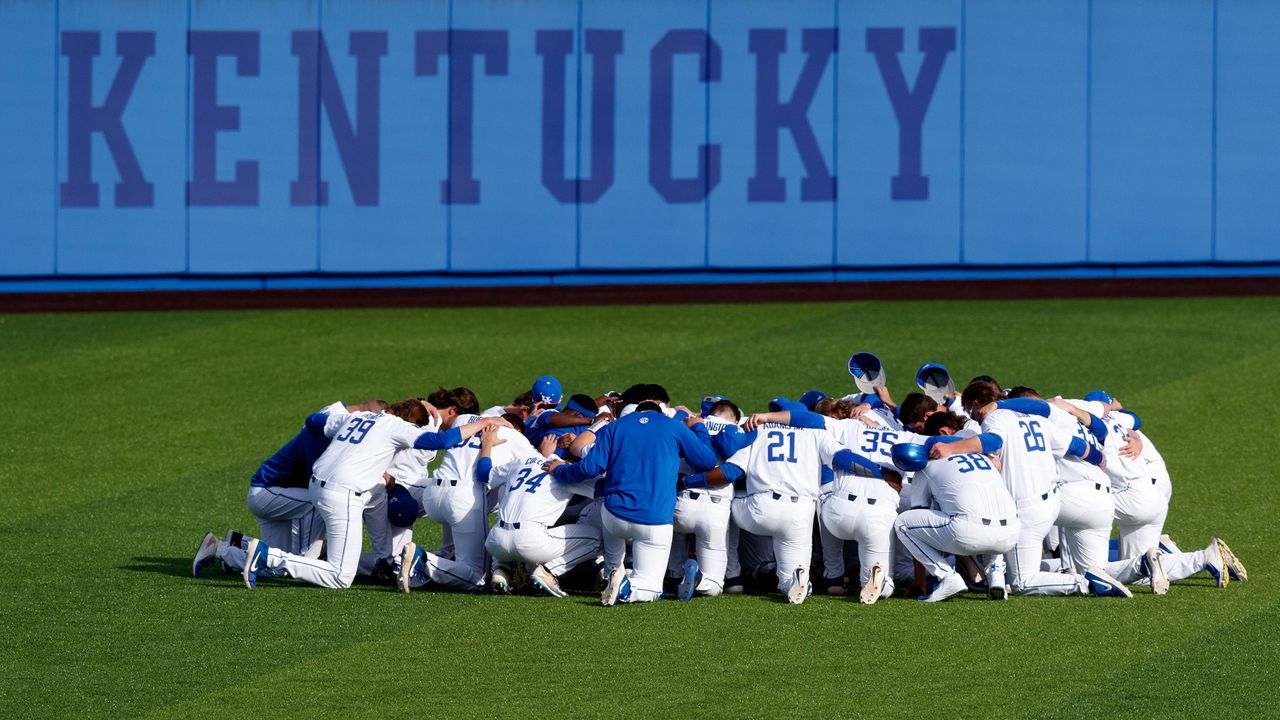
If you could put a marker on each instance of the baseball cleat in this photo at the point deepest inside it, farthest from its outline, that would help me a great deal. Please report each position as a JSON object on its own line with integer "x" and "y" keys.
{"x": 234, "y": 538}
{"x": 413, "y": 560}
{"x": 800, "y": 588}
{"x": 733, "y": 585}
{"x": 996, "y": 587}
{"x": 1235, "y": 568}
{"x": 1167, "y": 545}
{"x": 688, "y": 580}
{"x": 1215, "y": 562}
{"x": 255, "y": 562}
{"x": 1153, "y": 568}
{"x": 205, "y": 554}
{"x": 613, "y": 587}
{"x": 500, "y": 581}
{"x": 875, "y": 585}
{"x": 542, "y": 578}
{"x": 1103, "y": 585}
{"x": 950, "y": 585}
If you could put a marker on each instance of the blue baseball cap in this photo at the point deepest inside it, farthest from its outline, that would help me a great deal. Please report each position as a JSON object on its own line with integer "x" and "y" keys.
{"x": 709, "y": 401}
{"x": 1101, "y": 396}
{"x": 909, "y": 457}
{"x": 867, "y": 371}
{"x": 782, "y": 403}
{"x": 402, "y": 509}
{"x": 812, "y": 398}
{"x": 546, "y": 390}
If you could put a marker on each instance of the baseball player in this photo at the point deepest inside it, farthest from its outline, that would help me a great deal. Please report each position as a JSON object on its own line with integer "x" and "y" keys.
{"x": 960, "y": 506}
{"x": 362, "y": 447}
{"x": 279, "y": 499}
{"x": 782, "y": 466}
{"x": 704, "y": 514}
{"x": 862, "y": 509}
{"x": 457, "y": 497}
{"x": 640, "y": 455}
{"x": 1027, "y": 464}
{"x": 531, "y": 504}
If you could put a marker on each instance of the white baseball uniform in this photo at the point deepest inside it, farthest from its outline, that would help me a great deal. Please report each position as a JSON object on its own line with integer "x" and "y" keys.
{"x": 960, "y": 507}
{"x": 1031, "y": 476}
{"x": 783, "y": 470}
{"x": 703, "y": 513}
{"x": 531, "y": 502}
{"x": 456, "y": 499}
{"x": 342, "y": 487}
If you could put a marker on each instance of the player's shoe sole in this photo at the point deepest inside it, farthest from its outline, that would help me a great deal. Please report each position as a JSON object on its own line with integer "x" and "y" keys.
{"x": 542, "y": 579}
{"x": 800, "y": 586}
{"x": 410, "y": 556}
{"x": 1103, "y": 585}
{"x": 875, "y": 584}
{"x": 500, "y": 582}
{"x": 996, "y": 587}
{"x": 688, "y": 580}
{"x": 1235, "y": 568}
{"x": 613, "y": 587}
{"x": 1215, "y": 563}
{"x": 952, "y": 584}
{"x": 205, "y": 554}
{"x": 1153, "y": 566}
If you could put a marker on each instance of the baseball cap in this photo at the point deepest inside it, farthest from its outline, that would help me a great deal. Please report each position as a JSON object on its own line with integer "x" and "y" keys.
{"x": 812, "y": 398}
{"x": 1101, "y": 396}
{"x": 867, "y": 371}
{"x": 782, "y": 403}
{"x": 935, "y": 381}
{"x": 546, "y": 390}
{"x": 709, "y": 401}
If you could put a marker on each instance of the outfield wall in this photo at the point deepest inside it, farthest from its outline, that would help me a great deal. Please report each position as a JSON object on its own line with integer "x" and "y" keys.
{"x": 229, "y": 143}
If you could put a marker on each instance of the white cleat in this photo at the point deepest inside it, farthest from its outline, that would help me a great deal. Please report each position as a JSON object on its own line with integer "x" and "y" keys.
{"x": 1235, "y": 568}
{"x": 500, "y": 581}
{"x": 1153, "y": 564}
{"x": 952, "y": 584}
{"x": 411, "y": 557}
{"x": 996, "y": 587}
{"x": 205, "y": 554}
{"x": 875, "y": 585}
{"x": 614, "y": 586}
{"x": 544, "y": 580}
{"x": 1215, "y": 562}
{"x": 800, "y": 586}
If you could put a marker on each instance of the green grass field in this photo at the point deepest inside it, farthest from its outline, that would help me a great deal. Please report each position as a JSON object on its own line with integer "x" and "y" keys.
{"x": 132, "y": 434}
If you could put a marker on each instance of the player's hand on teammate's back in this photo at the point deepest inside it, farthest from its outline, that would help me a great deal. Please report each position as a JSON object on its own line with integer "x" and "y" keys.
{"x": 1132, "y": 447}
{"x": 389, "y": 480}
{"x": 941, "y": 450}
{"x": 489, "y": 437}
{"x": 565, "y": 440}
{"x": 548, "y": 445}
{"x": 551, "y": 465}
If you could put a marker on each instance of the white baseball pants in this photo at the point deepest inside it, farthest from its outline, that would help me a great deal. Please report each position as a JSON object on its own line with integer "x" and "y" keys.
{"x": 559, "y": 548}
{"x": 930, "y": 537}
{"x": 1141, "y": 509}
{"x": 788, "y": 521}
{"x": 866, "y": 518}
{"x": 706, "y": 517}
{"x": 650, "y": 547}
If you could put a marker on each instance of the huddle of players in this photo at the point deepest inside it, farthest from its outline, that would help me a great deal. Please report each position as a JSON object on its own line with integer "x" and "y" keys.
{"x": 987, "y": 490}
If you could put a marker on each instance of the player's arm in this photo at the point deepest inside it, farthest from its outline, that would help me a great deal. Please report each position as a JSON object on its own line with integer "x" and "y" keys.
{"x": 587, "y": 437}
{"x": 731, "y": 440}
{"x": 454, "y": 436}
{"x": 726, "y": 474}
{"x": 589, "y": 467}
{"x": 488, "y": 441}
{"x": 696, "y": 451}
{"x": 562, "y": 419}
{"x": 792, "y": 418}
{"x": 944, "y": 446}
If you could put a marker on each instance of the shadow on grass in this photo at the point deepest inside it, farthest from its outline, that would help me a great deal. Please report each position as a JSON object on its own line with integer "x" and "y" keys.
{"x": 177, "y": 567}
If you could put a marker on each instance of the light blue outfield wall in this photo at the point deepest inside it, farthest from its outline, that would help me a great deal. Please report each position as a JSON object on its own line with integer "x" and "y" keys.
{"x": 412, "y": 138}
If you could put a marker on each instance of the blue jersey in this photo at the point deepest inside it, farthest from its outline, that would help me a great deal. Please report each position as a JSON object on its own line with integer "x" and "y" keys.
{"x": 641, "y": 454}
{"x": 290, "y": 466}
{"x": 539, "y": 426}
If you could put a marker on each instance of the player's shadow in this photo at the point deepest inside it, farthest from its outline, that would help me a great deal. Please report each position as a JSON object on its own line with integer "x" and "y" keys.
{"x": 177, "y": 567}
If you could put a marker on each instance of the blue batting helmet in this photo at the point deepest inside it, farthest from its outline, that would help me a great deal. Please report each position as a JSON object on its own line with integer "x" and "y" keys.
{"x": 909, "y": 457}
{"x": 402, "y": 509}
{"x": 1101, "y": 396}
{"x": 812, "y": 398}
